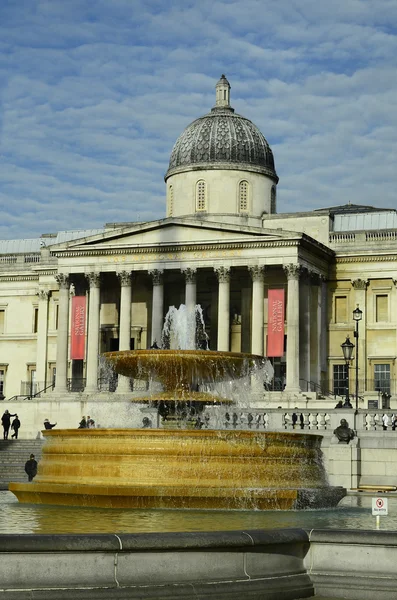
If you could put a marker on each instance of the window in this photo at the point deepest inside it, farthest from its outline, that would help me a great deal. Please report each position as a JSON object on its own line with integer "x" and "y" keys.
{"x": 35, "y": 319}
{"x": 2, "y": 379}
{"x": 340, "y": 379}
{"x": 273, "y": 200}
{"x": 341, "y": 309}
{"x": 382, "y": 308}
{"x": 382, "y": 378}
{"x": 170, "y": 200}
{"x": 201, "y": 196}
{"x": 243, "y": 196}
{"x": 56, "y": 316}
{"x": 2, "y": 320}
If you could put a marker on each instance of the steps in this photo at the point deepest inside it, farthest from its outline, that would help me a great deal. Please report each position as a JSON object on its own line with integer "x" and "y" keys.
{"x": 13, "y": 456}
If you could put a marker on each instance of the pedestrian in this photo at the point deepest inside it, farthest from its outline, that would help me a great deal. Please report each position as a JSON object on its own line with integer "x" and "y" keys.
{"x": 83, "y": 423}
{"x": 385, "y": 421}
{"x": 15, "y": 425}
{"x": 31, "y": 467}
{"x": 48, "y": 425}
{"x": 90, "y": 423}
{"x": 6, "y": 422}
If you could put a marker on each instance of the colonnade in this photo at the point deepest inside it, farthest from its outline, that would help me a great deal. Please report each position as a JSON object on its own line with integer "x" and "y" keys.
{"x": 293, "y": 274}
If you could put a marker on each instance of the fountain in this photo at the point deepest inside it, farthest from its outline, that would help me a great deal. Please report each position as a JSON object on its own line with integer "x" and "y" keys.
{"x": 181, "y": 465}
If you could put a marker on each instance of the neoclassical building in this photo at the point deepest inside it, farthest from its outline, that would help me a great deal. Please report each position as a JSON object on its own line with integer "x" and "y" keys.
{"x": 281, "y": 285}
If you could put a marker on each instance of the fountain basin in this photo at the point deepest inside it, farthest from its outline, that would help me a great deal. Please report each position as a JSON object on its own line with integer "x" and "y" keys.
{"x": 137, "y": 468}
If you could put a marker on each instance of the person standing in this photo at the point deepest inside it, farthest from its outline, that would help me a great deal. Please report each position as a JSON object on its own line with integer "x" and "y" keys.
{"x": 15, "y": 426}
{"x": 83, "y": 423}
{"x": 90, "y": 423}
{"x": 31, "y": 467}
{"x": 48, "y": 425}
{"x": 385, "y": 421}
{"x": 6, "y": 422}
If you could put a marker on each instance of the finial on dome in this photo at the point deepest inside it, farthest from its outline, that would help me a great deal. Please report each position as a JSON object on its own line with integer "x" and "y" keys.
{"x": 223, "y": 93}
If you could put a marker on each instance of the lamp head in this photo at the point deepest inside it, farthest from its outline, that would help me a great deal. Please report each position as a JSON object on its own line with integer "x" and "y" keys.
{"x": 347, "y": 349}
{"x": 357, "y": 314}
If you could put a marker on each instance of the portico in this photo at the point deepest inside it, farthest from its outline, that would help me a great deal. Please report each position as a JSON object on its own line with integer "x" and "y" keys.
{"x": 132, "y": 279}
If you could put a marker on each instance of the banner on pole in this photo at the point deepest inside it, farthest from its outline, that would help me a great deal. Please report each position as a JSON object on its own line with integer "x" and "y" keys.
{"x": 275, "y": 323}
{"x": 77, "y": 338}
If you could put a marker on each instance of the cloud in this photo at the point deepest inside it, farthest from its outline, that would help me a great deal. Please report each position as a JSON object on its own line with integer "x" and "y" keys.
{"x": 93, "y": 96}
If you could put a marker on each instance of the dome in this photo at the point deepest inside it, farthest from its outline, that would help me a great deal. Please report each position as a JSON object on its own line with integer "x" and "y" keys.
{"x": 222, "y": 139}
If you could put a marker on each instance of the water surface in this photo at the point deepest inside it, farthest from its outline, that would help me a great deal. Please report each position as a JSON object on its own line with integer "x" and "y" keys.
{"x": 354, "y": 512}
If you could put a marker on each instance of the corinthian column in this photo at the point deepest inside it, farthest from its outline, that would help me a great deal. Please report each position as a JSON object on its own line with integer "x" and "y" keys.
{"x": 223, "y": 275}
{"x": 94, "y": 280}
{"x": 258, "y": 298}
{"x": 292, "y": 377}
{"x": 190, "y": 301}
{"x": 63, "y": 331}
{"x": 157, "y": 305}
{"x": 125, "y": 323}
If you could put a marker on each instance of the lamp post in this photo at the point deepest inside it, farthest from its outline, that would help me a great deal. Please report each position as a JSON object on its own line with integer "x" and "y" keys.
{"x": 347, "y": 349}
{"x": 357, "y": 316}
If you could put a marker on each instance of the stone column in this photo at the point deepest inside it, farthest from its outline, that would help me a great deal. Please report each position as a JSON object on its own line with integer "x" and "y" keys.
{"x": 223, "y": 275}
{"x": 360, "y": 297}
{"x": 123, "y": 384}
{"x": 63, "y": 334}
{"x": 258, "y": 299}
{"x": 304, "y": 329}
{"x": 94, "y": 280}
{"x": 190, "y": 301}
{"x": 292, "y": 377}
{"x": 42, "y": 330}
{"x": 157, "y": 305}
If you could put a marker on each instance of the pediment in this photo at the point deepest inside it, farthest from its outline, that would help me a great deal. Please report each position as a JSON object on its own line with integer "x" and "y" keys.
{"x": 171, "y": 232}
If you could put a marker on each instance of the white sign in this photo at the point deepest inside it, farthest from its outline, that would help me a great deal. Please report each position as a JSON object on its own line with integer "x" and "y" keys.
{"x": 379, "y": 506}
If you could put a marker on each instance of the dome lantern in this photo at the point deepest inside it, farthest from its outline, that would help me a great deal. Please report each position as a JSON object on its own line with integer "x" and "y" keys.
{"x": 222, "y": 93}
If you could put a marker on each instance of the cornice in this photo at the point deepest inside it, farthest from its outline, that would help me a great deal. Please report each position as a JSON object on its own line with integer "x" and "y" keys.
{"x": 22, "y": 277}
{"x": 155, "y": 249}
{"x": 368, "y": 258}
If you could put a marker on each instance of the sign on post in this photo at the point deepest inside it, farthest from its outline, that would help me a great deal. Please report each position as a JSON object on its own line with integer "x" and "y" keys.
{"x": 379, "y": 507}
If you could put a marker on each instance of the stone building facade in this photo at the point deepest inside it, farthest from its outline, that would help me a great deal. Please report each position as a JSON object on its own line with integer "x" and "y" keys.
{"x": 221, "y": 245}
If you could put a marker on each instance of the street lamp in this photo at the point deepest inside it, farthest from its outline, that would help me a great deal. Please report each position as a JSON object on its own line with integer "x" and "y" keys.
{"x": 347, "y": 349}
{"x": 357, "y": 316}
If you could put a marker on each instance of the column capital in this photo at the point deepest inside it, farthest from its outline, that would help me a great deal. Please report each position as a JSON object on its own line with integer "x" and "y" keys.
{"x": 360, "y": 284}
{"x": 257, "y": 272}
{"x": 157, "y": 276}
{"x": 190, "y": 275}
{"x": 223, "y": 274}
{"x": 124, "y": 277}
{"x": 62, "y": 280}
{"x": 292, "y": 271}
{"x": 94, "y": 279}
{"x": 43, "y": 294}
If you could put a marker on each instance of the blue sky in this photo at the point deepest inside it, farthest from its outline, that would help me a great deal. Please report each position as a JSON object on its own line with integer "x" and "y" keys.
{"x": 94, "y": 93}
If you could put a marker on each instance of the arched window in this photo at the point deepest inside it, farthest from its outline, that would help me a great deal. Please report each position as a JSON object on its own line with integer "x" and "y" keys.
{"x": 201, "y": 195}
{"x": 273, "y": 200}
{"x": 243, "y": 196}
{"x": 170, "y": 200}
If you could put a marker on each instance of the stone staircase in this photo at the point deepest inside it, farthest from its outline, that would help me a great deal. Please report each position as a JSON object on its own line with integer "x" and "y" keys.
{"x": 13, "y": 456}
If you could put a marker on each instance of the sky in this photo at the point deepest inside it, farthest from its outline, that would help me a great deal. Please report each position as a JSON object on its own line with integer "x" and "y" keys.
{"x": 94, "y": 94}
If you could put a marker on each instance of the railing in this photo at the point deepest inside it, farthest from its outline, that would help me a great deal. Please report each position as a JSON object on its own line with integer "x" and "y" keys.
{"x": 76, "y": 384}
{"x": 8, "y": 259}
{"x": 381, "y": 236}
{"x": 342, "y": 238}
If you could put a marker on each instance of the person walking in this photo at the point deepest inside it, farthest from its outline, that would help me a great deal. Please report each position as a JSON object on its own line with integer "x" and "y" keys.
{"x": 48, "y": 425}
{"x": 6, "y": 422}
{"x": 31, "y": 467}
{"x": 90, "y": 423}
{"x": 15, "y": 425}
{"x": 83, "y": 423}
{"x": 385, "y": 421}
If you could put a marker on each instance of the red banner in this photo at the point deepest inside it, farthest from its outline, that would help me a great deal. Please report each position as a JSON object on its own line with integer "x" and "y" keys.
{"x": 275, "y": 323}
{"x": 77, "y": 341}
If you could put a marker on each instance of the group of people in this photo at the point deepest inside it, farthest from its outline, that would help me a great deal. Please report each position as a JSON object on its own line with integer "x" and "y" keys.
{"x": 6, "y": 423}
{"x": 86, "y": 423}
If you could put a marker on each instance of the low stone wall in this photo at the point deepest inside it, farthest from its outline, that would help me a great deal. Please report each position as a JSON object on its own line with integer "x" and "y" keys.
{"x": 253, "y": 564}
{"x": 268, "y": 565}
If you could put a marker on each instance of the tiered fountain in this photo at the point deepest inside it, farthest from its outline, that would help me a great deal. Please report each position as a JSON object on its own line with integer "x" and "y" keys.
{"x": 181, "y": 465}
